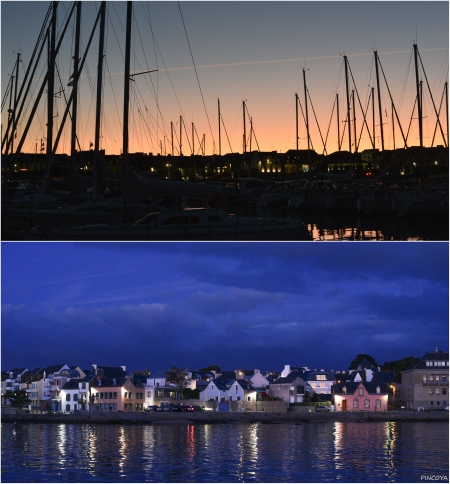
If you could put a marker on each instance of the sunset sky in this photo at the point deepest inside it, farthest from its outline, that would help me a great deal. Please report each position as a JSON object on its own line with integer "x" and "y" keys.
{"x": 253, "y": 51}
{"x": 236, "y": 305}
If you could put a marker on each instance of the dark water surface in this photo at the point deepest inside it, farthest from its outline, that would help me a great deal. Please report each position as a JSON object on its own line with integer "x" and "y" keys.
{"x": 307, "y": 452}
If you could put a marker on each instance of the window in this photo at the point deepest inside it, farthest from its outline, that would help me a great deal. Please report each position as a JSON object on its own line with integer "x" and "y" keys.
{"x": 344, "y": 389}
{"x": 321, "y": 377}
{"x": 431, "y": 403}
{"x": 444, "y": 378}
{"x": 444, "y": 391}
{"x": 75, "y": 407}
{"x": 75, "y": 398}
{"x": 300, "y": 389}
{"x": 360, "y": 392}
{"x": 115, "y": 395}
{"x": 238, "y": 398}
{"x": 431, "y": 391}
{"x": 249, "y": 399}
{"x": 378, "y": 389}
{"x": 438, "y": 391}
{"x": 67, "y": 397}
{"x": 355, "y": 403}
{"x": 139, "y": 396}
{"x": 101, "y": 395}
{"x": 438, "y": 402}
{"x": 366, "y": 403}
{"x": 424, "y": 379}
{"x": 83, "y": 386}
{"x": 378, "y": 403}
{"x": 149, "y": 394}
{"x": 67, "y": 408}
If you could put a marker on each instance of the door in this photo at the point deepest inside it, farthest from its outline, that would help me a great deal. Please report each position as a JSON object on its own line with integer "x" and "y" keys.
{"x": 344, "y": 404}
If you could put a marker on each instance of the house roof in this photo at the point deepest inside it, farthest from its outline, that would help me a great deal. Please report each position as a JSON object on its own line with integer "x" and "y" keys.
{"x": 420, "y": 363}
{"x": 293, "y": 375}
{"x": 109, "y": 382}
{"x": 245, "y": 384}
{"x": 71, "y": 385}
{"x": 112, "y": 371}
{"x": 312, "y": 375}
{"x": 226, "y": 375}
{"x": 371, "y": 387}
{"x": 53, "y": 368}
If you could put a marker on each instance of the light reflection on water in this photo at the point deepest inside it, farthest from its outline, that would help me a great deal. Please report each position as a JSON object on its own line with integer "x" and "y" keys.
{"x": 307, "y": 452}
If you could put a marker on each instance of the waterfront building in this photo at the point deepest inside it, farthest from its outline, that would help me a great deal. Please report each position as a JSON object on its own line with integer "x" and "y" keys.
{"x": 13, "y": 381}
{"x": 117, "y": 394}
{"x": 75, "y": 394}
{"x": 290, "y": 388}
{"x": 425, "y": 383}
{"x": 361, "y": 396}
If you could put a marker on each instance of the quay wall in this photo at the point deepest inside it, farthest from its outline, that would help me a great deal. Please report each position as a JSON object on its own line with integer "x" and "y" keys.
{"x": 149, "y": 418}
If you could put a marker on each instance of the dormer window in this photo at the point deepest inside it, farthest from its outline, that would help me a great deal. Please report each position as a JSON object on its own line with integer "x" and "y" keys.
{"x": 378, "y": 389}
{"x": 360, "y": 392}
{"x": 344, "y": 389}
{"x": 99, "y": 383}
{"x": 114, "y": 382}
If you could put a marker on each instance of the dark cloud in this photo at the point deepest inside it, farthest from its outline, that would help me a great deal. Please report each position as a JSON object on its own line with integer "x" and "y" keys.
{"x": 235, "y": 305}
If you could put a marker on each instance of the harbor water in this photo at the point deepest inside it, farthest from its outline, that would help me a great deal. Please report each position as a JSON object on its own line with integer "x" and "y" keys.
{"x": 237, "y": 452}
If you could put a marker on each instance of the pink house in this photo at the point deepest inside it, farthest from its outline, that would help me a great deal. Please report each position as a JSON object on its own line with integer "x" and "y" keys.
{"x": 361, "y": 396}
{"x": 117, "y": 394}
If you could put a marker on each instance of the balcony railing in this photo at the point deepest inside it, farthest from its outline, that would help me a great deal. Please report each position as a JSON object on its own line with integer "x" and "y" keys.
{"x": 435, "y": 383}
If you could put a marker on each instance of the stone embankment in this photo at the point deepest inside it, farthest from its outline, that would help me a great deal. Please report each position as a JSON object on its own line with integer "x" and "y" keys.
{"x": 149, "y": 418}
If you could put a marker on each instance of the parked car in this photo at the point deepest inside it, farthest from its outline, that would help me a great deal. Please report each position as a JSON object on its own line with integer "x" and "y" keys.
{"x": 152, "y": 408}
{"x": 322, "y": 408}
{"x": 188, "y": 408}
{"x": 197, "y": 408}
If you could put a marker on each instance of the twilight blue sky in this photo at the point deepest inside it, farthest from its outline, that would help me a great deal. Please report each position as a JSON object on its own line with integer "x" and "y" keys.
{"x": 254, "y": 51}
{"x": 252, "y": 305}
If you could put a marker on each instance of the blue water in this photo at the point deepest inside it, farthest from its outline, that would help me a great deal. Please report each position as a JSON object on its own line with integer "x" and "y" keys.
{"x": 307, "y": 452}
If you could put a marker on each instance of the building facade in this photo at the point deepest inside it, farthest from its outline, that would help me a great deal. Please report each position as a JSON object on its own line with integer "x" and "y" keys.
{"x": 425, "y": 383}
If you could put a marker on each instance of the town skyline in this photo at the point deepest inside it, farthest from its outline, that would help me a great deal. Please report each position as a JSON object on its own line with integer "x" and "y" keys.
{"x": 264, "y": 69}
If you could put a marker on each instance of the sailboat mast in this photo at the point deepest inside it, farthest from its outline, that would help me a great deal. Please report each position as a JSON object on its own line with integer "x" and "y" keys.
{"x": 181, "y": 133}
{"x": 171, "y": 133}
{"x": 419, "y": 97}
{"x": 10, "y": 110}
{"x": 379, "y": 100}
{"x": 446, "y": 108}
{"x": 220, "y": 143}
{"x": 354, "y": 120}
{"x": 126, "y": 103}
{"x": 75, "y": 84}
{"x": 245, "y": 135}
{"x": 126, "y": 96}
{"x": 373, "y": 118}
{"x": 338, "y": 127}
{"x": 306, "y": 108}
{"x": 51, "y": 84}
{"x": 15, "y": 102}
{"x": 193, "y": 150}
{"x": 99, "y": 94}
{"x": 348, "y": 108}
{"x": 296, "y": 121}
{"x": 393, "y": 128}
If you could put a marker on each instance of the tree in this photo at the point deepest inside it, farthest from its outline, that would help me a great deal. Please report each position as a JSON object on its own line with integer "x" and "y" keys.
{"x": 398, "y": 366}
{"x": 354, "y": 364}
{"x": 18, "y": 399}
{"x": 178, "y": 378}
{"x": 212, "y": 368}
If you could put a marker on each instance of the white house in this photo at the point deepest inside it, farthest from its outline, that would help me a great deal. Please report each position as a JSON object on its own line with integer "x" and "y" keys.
{"x": 216, "y": 390}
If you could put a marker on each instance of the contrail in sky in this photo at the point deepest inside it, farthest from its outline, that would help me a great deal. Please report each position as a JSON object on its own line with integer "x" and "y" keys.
{"x": 290, "y": 60}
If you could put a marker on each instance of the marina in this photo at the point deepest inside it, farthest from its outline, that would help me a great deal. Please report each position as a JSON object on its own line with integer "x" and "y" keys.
{"x": 383, "y": 194}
